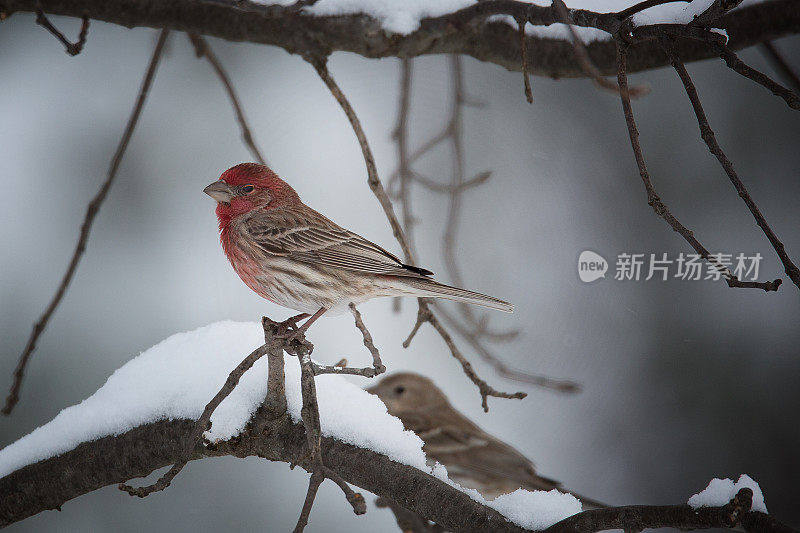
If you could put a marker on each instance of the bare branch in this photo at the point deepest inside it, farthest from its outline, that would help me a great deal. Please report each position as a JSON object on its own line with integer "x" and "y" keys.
{"x": 72, "y": 49}
{"x": 377, "y": 188}
{"x": 683, "y": 517}
{"x": 430, "y": 184}
{"x": 376, "y": 356}
{"x": 654, "y": 201}
{"x": 466, "y": 31}
{"x": 202, "y": 49}
{"x": 91, "y": 212}
{"x": 523, "y": 47}
{"x": 733, "y": 62}
{"x": 475, "y": 339}
{"x": 311, "y": 422}
{"x": 474, "y": 329}
{"x": 781, "y": 64}
{"x": 583, "y": 56}
{"x": 711, "y": 141}
{"x": 401, "y": 137}
{"x": 372, "y": 172}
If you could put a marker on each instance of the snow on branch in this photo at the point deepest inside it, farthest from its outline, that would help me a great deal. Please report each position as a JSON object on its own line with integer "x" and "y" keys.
{"x": 486, "y": 30}
{"x": 145, "y": 416}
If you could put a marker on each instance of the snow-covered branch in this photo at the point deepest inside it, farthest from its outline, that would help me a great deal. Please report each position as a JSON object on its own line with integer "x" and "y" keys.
{"x": 146, "y": 416}
{"x": 477, "y": 29}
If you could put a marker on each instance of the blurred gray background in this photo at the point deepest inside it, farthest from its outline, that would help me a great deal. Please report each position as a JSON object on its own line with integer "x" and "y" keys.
{"x": 683, "y": 381}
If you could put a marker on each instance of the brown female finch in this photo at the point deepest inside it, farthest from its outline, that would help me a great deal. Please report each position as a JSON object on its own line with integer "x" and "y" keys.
{"x": 295, "y": 257}
{"x": 474, "y": 459}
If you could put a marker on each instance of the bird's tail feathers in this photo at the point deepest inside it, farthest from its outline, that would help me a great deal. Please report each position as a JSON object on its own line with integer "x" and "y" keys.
{"x": 429, "y": 288}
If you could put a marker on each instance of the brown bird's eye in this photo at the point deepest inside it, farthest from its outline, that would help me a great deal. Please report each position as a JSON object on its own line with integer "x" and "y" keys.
{"x": 399, "y": 390}
{"x": 248, "y": 189}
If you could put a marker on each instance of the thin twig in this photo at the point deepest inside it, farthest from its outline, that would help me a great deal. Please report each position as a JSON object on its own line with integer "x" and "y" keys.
{"x": 475, "y": 328}
{"x": 711, "y": 141}
{"x": 320, "y": 65}
{"x": 654, "y": 201}
{"x": 380, "y": 193}
{"x": 781, "y": 64}
{"x": 428, "y": 183}
{"x": 91, "y": 212}
{"x": 523, "y": 47}
{"x": 424, "y": 315}
{"x": 474, "y": 339}
{"x": 202, "y": 425}
{"x": 341, "y": 367}
{"x": 202, "y": 49}
{"x": 582, "y": 55}
{"x": 309, "y": 413}
{"x": 401, "y": 138}
{"x": 72, "y": 49}
{"x": 377, "y": 364}
{"x": 736, "y": 64}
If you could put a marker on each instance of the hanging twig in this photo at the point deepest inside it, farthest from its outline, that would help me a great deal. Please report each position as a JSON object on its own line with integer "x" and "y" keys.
{"x": 654, "y": 200}
{"x": 91, "y": 213}
{"x": 309, "y": 413}
{"x": 72, "y": 49}
{"x": 582, "y": 56}
{"x": 781, "y": 64}
{"x": 711, "y": 141}
{"x": 736, "y": 64}
{"x": 202, "y": 49}
{"x": 424, "y": 313}
{"x": 523, "y": 47}
{"x": 474, "y": 329}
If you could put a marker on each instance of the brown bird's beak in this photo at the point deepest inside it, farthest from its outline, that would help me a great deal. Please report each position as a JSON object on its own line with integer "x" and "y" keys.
{"x": 219, "y": 191}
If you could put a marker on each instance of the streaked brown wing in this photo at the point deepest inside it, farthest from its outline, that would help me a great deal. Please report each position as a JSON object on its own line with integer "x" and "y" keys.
{"x": 482, "y": 457}
{"x": 316, "y": 240}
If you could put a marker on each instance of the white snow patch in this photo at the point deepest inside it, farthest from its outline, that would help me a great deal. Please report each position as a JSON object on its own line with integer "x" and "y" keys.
{"x": 177, "y": 377}
{"x": 722, "y": 32}
{"x": 528, "y": 509}
{"x": 538, "y": 509}
{"x": 721, "y": 491}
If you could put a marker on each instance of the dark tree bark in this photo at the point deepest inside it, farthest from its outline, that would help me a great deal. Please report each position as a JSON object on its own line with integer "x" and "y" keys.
{"x": 463, "y": 32}
{"x": 111, "y": 460}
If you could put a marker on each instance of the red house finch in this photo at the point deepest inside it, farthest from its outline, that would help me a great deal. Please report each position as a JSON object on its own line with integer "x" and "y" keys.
{"x": 473, "y": 458}
{"x": 295, "y": 257}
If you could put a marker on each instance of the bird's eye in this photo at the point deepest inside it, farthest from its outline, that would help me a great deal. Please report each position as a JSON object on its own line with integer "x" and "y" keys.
{"x": 399, "y": 390}
{"x": 248, "y": 189}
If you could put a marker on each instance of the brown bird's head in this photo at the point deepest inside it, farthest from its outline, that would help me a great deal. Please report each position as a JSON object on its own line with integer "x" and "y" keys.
{"x": 249, "y": 186}
{"x": 405, "y": 392}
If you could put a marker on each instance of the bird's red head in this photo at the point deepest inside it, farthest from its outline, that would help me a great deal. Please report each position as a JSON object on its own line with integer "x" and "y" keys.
{"x": 249, "y": 186}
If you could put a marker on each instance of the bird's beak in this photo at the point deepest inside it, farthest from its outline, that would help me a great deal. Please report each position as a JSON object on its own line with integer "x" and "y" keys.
{"x": 372, "y": 390}
{"x": 219, "y": 191}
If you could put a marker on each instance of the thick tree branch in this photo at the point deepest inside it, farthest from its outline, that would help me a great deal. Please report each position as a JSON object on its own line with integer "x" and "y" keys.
{"x": 463, "y": 32}
{"x": 683, "y": 517}
{"x": 52, "y": 482}
{"x": 91, "y": 212}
